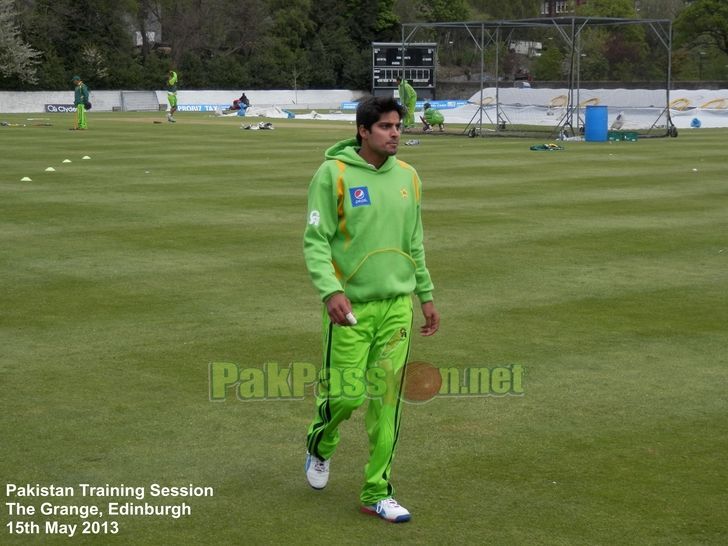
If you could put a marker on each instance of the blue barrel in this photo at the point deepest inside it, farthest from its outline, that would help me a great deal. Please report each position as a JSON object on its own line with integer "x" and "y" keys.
{"x": 595, "y": 123}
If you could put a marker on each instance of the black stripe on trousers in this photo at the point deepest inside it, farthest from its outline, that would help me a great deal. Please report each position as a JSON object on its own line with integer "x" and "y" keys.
{"x": 396, "y": 411}
{"x": 325, "y": 408}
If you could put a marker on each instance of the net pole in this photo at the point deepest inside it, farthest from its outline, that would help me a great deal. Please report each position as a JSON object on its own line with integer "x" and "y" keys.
{"x": 577, "y": 44}
{"x": 497, "y": 87}
{"x": 404, "y": 62}
{"x": 668, "y": 84}
{"x": 570, "y": 95}
{"x": 482, "y": 76}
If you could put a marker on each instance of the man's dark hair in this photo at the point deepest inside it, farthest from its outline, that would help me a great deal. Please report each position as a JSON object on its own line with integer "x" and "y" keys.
{"x": 370, "y": 110}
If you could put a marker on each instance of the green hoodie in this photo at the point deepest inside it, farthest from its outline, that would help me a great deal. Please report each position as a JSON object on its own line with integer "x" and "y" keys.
{"x": 407, "y": 94}
{"x": 434, "y": 117}
{"x": 364, "y": 232}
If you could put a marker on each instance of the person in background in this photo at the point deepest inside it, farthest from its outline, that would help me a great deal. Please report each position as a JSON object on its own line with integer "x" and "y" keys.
{"x": 243, "y": 104}
{"x": 432, "y": 117}
{"x": 80, "y": 100}
{"x": 408, "y": 98}
{"x": 172, "y": 95}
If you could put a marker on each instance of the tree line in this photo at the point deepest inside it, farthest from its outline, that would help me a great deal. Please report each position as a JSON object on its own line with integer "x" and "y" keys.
{"x": 257, "y": 44}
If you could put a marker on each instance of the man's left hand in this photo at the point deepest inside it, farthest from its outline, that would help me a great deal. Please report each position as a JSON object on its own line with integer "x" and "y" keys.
{"x": 432, "y": 319}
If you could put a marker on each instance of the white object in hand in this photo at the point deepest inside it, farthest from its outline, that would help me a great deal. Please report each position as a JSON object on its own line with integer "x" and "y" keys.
{"x": 351, "y": 318}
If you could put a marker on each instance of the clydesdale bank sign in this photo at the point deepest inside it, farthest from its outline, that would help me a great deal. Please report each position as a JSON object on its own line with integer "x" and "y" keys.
{"x": 60, "y": 108}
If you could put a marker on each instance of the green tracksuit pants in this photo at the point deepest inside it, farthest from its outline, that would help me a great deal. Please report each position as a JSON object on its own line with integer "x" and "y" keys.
{"x": 409, "y": 117}
{"x": 361, "y": 362}
{"x": 80, "y": 116}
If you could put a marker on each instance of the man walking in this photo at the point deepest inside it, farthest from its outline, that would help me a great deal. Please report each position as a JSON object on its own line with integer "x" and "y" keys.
{"x": 408, "y": 97}
{"x": 80, "y": 99}
{"x": 363, "y": 247}
{"x": 172, "y": 95}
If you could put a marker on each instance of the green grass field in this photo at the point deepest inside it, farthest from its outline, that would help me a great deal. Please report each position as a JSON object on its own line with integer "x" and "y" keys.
{"x": 601, "y": 269}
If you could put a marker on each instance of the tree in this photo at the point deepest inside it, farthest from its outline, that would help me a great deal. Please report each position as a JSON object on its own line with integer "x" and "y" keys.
{"x": 281, "y": 60}
{"x": 17, "y": 58}
{"x": 549, "y": 66}
{"x": 332, "y": 47}
{"x": 89, "y": 38}
{"x": 431, "y": 11}
{"x": 514, "y": 9}
{"x": 444, "y": 10}
{"x": 143, "y": 9}
{"x": 608, "y": 8}
{"x": 660, "y": 9}
{"x": 406, "y": 11}
{"x": 209, "y": 28}
{"x": 623, "y": 47}
{"x": 704, "y": 19}
{"x": 367, "y": 21}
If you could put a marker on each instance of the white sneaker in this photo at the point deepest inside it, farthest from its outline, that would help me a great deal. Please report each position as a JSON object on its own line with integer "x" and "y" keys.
{"x": 171, "y": 119}
{"x": 317, "y": 471}
{"x": 388, "y": 509}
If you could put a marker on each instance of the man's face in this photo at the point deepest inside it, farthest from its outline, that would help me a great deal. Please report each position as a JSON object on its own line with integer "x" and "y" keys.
{"x": 383, "y": 138}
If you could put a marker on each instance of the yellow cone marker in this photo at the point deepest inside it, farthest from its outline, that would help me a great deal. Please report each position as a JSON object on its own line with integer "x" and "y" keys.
{"x": 66, "y": 161}
{"x": 26, "y": 179}
{"x": 85, "y": 157}
{"x": 50, "y": 170}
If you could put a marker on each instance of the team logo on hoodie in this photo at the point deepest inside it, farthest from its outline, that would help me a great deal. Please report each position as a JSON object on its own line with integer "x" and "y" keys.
{"x": 359, "y": 196}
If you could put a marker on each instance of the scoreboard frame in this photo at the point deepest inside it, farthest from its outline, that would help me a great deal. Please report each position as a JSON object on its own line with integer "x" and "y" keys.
{"x": 420, "y": 61}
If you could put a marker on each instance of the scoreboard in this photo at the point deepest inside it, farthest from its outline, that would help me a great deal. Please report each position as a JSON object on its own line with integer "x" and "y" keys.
{"x": 418, "y": 67}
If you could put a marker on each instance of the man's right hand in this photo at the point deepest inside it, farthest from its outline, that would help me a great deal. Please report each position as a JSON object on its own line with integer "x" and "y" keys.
{"x": 338, "y": 306}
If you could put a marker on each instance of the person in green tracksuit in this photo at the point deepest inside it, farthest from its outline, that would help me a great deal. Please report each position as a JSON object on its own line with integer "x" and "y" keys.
{"x": 432, "y": 117}
{"x": 408, "y": 97}
{"x": 172, "y": 95}
{"x": 363, "y": 247}
{"x": 80, "y": 99}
